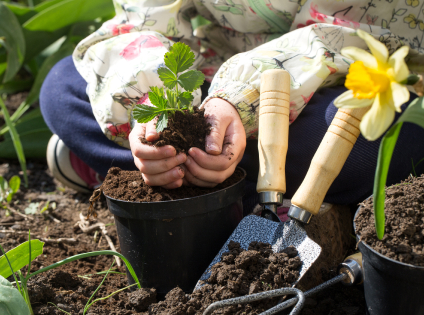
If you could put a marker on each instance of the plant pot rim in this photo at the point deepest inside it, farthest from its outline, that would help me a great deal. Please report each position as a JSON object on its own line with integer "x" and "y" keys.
{"x": 373, "y": 250}
{"x": 183, "y": 199}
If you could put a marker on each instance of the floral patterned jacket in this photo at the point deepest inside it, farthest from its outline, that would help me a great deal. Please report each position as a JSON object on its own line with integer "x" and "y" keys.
{"x": 244, "y": 38}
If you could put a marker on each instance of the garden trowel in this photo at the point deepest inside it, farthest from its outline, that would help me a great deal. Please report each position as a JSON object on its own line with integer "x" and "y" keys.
{"x": 274, "y": 111}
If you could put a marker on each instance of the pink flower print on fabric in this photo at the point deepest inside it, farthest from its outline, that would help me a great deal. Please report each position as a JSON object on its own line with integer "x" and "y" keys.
{"x": 134, "y": 48}
{"x": 119, "y": 130}
{"x": 308, "y": 22}
{"x": 307, "y": 99}
{"x": 145, "y": 100}
{"x": 313, "y": 11}
{"x": 119, "y": 29}
{"x": 293, "y": 112}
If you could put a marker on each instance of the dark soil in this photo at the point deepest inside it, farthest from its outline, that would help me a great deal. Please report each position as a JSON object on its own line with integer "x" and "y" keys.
{"x": 65, "y": 289}
{"x": 130, "y": 186}
{"x": 184, "y": 131}
{"x": 404, "y": 209}
{"x": 239, "y": 273}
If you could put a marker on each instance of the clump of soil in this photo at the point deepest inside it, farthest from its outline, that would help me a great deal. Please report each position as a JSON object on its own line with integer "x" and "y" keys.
{"x": 130, "y": 186}
{"x": 184, "y": 131}
{"x": 239, "y": 273}
{"x": 404, "y": 209}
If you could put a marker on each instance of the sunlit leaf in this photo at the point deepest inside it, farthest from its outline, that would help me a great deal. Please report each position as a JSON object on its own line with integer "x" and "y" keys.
{"x": 179, "y": 58}
{"x": 191, "y": 80}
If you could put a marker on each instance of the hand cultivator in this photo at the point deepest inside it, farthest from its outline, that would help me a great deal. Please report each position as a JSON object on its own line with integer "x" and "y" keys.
{"x": 350, "y": 273}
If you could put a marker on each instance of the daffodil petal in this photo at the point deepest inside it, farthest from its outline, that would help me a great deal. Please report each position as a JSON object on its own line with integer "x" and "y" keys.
{"x": 376, "y": 121}
{"x": 397, "y": 61}
{"x": 378, "y": 49}
{"x": 358, "y": 54}
{"x": 400, "y": 95}
{"x": 347, "y": 100}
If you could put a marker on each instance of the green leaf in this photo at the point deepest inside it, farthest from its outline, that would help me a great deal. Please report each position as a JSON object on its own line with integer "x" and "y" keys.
{"x": 46, "y": 207}
{"x": 400, "y": 12}
{"x": 168, "y": 78}
{"x": 11, "y": 300}
{"x": 68, "y": 12}
{"x": 179, "y": 58}
{"x": 15, "y": 86}
{"x": 16, "y": 140}
{"x": 185, "y": 98}
{"x": 413, "y": 114}
{"x": 385, "y": 152}
{"x": 14, "y": 41}
{"x": 144, "y": 114}
{"x": 191, "y": 80}
{"x": 411, "y": 79}
{"x": 172, "y": 98}
{"x": 222, "y": 7}
{"x": 149, "y": 22}
{"x": 19, "y": 257}
{"x": 15, "y": 183}
{"x": 32, "y": 208}
{"x": 383, "y": 23}
{"x": 236, "y": 11}
{"x": 162, "y": 122}
{"x": 3, "y": 185}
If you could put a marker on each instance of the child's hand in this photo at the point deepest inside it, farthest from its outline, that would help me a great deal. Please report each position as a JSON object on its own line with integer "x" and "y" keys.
{"x": 160, "y": 166}
{"x": 224, "y": 146}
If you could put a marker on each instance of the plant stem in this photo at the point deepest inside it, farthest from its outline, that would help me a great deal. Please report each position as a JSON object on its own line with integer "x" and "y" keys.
{"x": 25, "y": 291}
{"x": 90, "y": 254}
{"x": 13, "y": 272}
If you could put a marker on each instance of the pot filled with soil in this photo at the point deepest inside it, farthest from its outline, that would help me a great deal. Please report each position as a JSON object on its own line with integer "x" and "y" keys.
{"x": 394, "y": 266}
{"x": 170, "y": 236}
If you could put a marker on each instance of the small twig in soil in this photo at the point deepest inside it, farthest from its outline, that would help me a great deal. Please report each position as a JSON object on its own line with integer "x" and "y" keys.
{"x": 13, "y": 231}
{"x": 167, "y": 195}
{"x": 83, "y": 225}
{"x": 59, "y": 240}
{"x": 53, "y": 218}
{"x": 20, "y": 214}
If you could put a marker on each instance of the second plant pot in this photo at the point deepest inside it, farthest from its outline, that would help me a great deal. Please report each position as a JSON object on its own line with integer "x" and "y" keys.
{"x": 391, "y": 287}
{"x": 171, "y": 243}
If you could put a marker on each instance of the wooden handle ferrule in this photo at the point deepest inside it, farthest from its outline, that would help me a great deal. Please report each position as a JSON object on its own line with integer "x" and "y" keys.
{"x": 274, "y": 112}
{"x": 329, "y": 159}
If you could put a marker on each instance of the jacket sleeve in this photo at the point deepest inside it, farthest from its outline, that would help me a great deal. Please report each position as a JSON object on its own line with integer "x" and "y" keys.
{"x": 312, "y": 57}
{"x": 120, "y": 60}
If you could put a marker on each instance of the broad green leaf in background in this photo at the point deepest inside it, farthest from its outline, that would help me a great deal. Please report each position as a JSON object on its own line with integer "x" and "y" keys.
{"x": 14, "y": 184}
{"x": 19, "y": 257}
{"x": 11, "y": 300}
{"x": 15, "y": 140}
{"x": 68, "y": 12}
{"x": 32, "y": 208}
{"x": 13, "y": 41}
{"x": 15, "y": 86}
{"x": 413, "y": 114}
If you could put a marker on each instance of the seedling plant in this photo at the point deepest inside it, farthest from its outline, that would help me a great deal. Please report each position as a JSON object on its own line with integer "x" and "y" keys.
{"x": 16, "y": 300}
{"x": 171, "y": 98}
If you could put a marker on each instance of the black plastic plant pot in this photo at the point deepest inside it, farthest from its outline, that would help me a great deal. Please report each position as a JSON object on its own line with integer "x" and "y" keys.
{"x": 171, "y": 243}
{"x": 391, "y": 287}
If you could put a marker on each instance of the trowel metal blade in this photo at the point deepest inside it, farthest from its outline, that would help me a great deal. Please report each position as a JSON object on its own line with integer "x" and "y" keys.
{"x": 279, "y": 235}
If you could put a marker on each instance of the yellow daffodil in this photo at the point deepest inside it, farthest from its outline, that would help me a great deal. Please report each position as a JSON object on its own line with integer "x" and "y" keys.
{"x": 375, "y": 79}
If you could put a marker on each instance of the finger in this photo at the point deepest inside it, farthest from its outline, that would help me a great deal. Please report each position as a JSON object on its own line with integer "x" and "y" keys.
{"x": 215, "y": 139}
{"x": 208, "y": 175}
{"x": 176, "y": 184}
{"x": 151, "y": 133}
{"x": 148, "y": 152}
{"x": 165, "y": 178}
{"x": 152, "y": 167}
{"x": 192, "y": 180}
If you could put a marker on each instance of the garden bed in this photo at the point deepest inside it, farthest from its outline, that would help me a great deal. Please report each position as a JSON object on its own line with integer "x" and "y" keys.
{"x": 66, "y": 289}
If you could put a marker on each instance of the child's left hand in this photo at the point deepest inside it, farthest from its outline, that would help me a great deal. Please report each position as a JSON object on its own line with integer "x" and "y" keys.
{"x": 224, "y": 146}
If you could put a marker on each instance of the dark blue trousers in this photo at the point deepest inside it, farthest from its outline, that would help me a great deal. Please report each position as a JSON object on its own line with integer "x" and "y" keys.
{"x": 67, "y": 112}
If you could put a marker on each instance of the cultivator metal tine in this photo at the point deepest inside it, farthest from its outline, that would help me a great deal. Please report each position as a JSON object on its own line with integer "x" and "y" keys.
{"x": 300, "y": 300}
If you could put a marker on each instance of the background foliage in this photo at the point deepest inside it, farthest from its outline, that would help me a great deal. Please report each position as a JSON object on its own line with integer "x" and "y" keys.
{"x": 34, "y": 36}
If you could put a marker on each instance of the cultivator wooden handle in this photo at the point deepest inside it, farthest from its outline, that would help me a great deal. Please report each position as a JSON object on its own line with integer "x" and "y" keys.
{"x": 327, "y": 163}
{"x": 274, "y": 112}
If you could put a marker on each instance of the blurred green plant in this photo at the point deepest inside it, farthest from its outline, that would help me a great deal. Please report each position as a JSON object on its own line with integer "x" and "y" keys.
{"x": 8, "y": 189}
{"x": 34, "y": 36}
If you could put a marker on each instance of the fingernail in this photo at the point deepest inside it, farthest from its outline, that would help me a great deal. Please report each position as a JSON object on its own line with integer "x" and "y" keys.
{"x": 150, "y": 134}
{"x": 192, "y": 152}
{"x": 213, "y": 147}
{"x": 188, "y": 161}
{"x": 178, "y": 173}
{"x": 181, "y": 158}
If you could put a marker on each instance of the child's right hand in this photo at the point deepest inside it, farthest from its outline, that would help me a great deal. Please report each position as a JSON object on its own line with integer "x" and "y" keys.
{"x": 159, "y": 166}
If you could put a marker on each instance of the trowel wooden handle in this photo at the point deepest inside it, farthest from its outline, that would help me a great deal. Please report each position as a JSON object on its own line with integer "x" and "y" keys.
{"x": 274, "y": 112}
{"x": 329, "y": 159}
